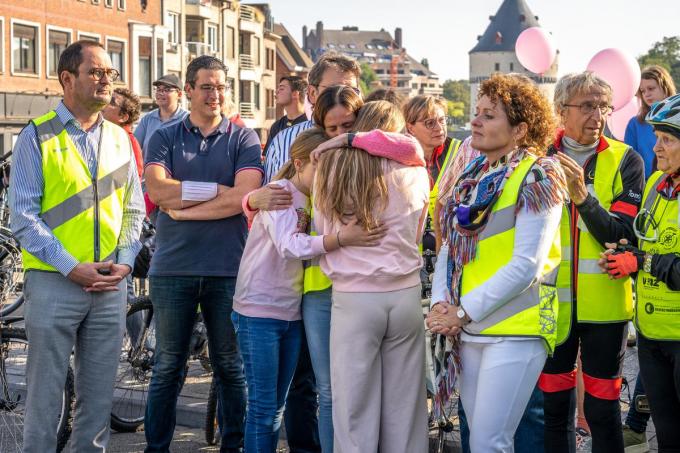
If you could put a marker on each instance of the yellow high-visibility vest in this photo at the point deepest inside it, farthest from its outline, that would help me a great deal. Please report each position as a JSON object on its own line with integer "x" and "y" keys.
{"x": 600, "y": 300}
{"x": 657, "y": 308}
{"x": 434, "y": 193}
{"x": 84, "y": 213}
{"x": 314, "y": 278}
{"x": 533, "y": 312}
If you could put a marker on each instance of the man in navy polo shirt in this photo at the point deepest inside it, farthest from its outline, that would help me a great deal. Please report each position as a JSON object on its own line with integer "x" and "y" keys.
{"x": 198, "y": 171}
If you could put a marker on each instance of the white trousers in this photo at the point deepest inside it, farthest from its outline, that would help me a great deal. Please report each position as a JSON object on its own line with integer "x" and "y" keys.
{"x": 495, "y": 386}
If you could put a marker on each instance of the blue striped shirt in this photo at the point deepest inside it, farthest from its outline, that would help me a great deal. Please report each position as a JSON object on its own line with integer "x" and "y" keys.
{"x": 26, "y": 192}
{"x": 279, "y": 150}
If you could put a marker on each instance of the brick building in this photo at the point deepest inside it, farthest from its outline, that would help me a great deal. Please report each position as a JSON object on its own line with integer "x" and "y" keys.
{"x": 33, "y": 33}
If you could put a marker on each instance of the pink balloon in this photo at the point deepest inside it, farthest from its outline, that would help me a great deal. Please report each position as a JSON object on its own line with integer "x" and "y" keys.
{"x": 618, "y": 120}
{"x": 308, "y": 108}
{"x": 535, "y": 49}
{"x": 621, "y": 71}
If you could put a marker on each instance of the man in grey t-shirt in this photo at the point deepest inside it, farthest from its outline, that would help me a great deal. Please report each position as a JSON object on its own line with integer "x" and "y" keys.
{"x": 168, "y": 92}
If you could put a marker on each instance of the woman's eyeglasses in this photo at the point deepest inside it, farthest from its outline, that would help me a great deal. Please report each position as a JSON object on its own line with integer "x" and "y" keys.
{"x": 433, "y": 123}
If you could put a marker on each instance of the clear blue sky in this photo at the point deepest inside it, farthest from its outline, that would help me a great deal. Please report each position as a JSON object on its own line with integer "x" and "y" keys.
{"x": 443, "y": 31}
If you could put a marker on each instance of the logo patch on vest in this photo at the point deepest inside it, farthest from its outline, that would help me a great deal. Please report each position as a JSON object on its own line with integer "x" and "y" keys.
{"x": 669, "y": 238}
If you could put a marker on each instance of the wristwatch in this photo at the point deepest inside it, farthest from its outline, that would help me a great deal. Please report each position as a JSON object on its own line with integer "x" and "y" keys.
{"x": 350, "y": 138}
{"x": 461, "y": 313}
{"x": 647, "y": 263}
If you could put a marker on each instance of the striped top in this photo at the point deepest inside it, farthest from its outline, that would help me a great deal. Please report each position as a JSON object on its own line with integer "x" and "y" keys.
{"x": 26, "y": 192}
{"x": 278, "y": 153}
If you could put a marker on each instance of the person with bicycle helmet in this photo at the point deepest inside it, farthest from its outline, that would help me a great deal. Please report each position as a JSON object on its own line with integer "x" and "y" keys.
{"x": 655, "y": 264}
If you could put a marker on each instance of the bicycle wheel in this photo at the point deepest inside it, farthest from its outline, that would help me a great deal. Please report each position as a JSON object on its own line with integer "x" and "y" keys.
{"x": 212, "y": 435}
{"x": 134, "y": 368}
{"x": 13, "y": 355}
{"x": 11, "y": 271}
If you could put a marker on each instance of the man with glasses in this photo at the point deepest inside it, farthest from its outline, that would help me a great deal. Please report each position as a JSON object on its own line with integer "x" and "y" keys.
{"x": 198, "y": 171}
{"x": 605, "y": 179}
{"x": 168, "y": 95}
{"x": 77, "y": 209}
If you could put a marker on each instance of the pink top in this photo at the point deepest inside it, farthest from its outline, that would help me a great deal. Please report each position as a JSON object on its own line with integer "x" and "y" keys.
{"x": 269, "y": 283}
{"x": 395, "y": 263}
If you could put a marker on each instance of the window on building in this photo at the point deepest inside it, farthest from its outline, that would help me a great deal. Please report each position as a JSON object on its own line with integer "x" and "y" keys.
{"x": 270, "y": 98}
{"x": 57, "y": 41}
{"x": 144, "y": 45}
{"x": 88, "y": 37}
{"x": 172, "y": 22}
{"x": 159, "y": 58}
{"x": 245, "y": 91}
{"x": 497, "y": 66}
{"x": 116, "y": 51}
{"x": 231, "y": 42}
{"x": 95, "y": 2}
{"x": 256, "y": 92}
{"x": 232, "y": 88}
{"x": 121, "y": 4}
{"x": 108, "y": 3}
{"x": 414, "y": 86}
{"x": 25, "y": 49}
{"x": 512, "y": 66}
{"x": 256, "y": 55}
{"x": 270, "y": 59}
{"x": 212, "y": 37}
{"x": 194, "y": 30}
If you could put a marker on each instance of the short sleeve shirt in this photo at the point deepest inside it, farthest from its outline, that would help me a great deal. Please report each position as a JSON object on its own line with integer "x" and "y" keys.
{"x": 202, "y": 248}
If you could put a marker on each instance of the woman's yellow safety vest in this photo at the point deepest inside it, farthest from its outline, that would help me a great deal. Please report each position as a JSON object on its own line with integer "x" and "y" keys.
{"x": 533, "y": 312}
{"x": 84, "y": 212}
{"x": 600, "y": 300}
{"x": 657, "y": 308}
{"x": 434, "y": 193}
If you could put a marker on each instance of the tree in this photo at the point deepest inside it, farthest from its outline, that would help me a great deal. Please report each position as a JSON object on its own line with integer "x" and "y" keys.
{"x": 456, "y": 111}
{"x": 665, "y": 53}
{"x": 458, "y": 91}
{"x": 367, "y": 79}
{"x": 425, "y": 63}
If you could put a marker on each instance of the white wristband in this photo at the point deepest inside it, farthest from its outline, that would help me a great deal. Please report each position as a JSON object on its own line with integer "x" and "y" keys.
{"x": 198, "y": 191}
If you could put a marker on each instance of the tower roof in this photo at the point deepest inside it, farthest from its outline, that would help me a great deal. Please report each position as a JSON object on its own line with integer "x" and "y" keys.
{"x": 511, "y": 19}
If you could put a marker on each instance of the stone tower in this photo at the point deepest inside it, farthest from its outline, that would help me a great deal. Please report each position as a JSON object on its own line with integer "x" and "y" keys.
{"x": 495, "y": 49}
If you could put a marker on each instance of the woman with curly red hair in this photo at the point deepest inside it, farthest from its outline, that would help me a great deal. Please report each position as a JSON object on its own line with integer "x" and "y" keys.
{"x": 493, "y": 292}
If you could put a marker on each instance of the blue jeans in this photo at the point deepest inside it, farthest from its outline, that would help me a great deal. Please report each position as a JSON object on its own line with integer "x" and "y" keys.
{"x": 316, "y": 314}
{"x": 175, "y": 302}
{"x": 270, "y": 349}
{"x": 529, "y": 434}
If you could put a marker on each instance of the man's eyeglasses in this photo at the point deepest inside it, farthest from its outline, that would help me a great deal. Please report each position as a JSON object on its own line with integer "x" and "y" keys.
{"x": 98, "y": 73}
{"x": 433, "y": 123}
{"x": 588, "y": 107}
{"x": 165, "y": 90}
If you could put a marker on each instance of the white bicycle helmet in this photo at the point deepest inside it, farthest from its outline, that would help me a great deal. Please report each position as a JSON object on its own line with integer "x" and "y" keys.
{"x": 666, "y": 114}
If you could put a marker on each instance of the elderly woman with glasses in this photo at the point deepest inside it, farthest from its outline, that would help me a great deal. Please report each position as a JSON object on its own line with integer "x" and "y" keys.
{"x": 605, "y": 180}
{"x": 655, "y": 263}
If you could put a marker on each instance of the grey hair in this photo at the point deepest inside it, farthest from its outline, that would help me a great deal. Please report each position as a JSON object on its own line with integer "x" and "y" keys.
{"x": 572, "y": 85}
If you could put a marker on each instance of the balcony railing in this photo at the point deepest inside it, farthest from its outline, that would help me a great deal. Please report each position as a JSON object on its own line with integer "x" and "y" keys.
{"x": 247, "y": 13}
{"x": 196, "y": 49}
{"x": 245, "y": 62}
{"x": 247, "y": 110}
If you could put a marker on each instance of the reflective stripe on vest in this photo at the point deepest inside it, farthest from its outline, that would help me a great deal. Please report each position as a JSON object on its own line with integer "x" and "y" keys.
{"x": 599, "y": 299}
{"x": 84, "y": 217}
{"x": 314, "y": 278}
{"x": 657, "y": 308}
{"x": 434, "y": 193}
{"x": 533, "y": 312}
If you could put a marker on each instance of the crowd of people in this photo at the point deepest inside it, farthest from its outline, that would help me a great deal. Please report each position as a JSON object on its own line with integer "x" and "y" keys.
{"x": 305, "y": 260}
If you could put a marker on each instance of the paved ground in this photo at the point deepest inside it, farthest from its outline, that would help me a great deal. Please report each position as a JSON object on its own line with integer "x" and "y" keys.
{"x": 190, "y": 436}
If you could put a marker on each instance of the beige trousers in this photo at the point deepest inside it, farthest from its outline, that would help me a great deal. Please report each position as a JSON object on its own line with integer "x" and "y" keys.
{"x": 377, "y": 377}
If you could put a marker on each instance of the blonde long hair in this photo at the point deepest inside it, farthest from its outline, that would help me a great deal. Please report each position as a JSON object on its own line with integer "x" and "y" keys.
{"x": 350, "y": 181}
{"x": 301, "y": 148}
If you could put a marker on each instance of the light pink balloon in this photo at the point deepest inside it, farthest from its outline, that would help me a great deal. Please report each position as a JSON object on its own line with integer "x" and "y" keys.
{"x": 621, "y": 71}
{"x": 535, "y": 49}
{"x": 308, "y": 108}
{"x": 618, "y": 120}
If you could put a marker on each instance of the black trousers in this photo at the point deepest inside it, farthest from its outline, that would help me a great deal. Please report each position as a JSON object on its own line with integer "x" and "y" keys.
{"x": 602, "y": 351}
{"x": 660, "y": 370}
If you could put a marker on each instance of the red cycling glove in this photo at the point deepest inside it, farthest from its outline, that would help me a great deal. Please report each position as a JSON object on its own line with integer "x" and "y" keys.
{"x": 622, "y": 264}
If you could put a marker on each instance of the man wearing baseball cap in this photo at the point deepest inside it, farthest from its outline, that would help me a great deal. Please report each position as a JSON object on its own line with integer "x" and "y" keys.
{"x": 168, "y": 93}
